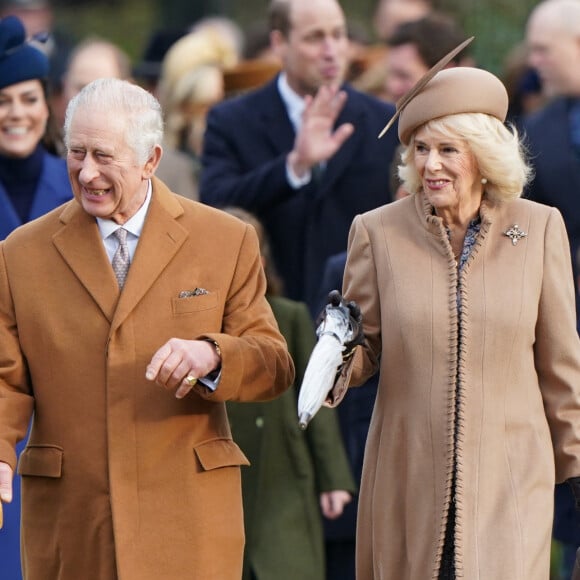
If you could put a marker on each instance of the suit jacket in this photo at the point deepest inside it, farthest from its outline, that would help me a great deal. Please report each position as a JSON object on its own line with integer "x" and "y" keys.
{"x": 119, "y": 478}
{"x": 244, "y": 164}
{"x": 289, "y": 467}
{"x": 53, "y": 189}
{"x": 481, "y": 366}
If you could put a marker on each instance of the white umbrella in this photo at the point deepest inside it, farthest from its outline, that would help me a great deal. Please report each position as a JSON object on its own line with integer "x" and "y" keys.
{"x": 335, "y": 330}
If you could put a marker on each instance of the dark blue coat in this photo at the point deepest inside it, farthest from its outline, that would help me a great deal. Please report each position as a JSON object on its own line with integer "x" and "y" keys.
{"x": 244, "y": 164}
{"x": 53, "y": 190}
{"x": 557, "y": 183}
{"x": 556, "y": 164}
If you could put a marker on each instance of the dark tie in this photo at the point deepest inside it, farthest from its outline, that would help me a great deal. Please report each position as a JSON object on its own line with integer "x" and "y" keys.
{"x": 121, "y": 260}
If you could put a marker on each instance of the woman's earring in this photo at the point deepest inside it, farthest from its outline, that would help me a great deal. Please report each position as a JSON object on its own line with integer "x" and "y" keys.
{"x": 483, "y": 180}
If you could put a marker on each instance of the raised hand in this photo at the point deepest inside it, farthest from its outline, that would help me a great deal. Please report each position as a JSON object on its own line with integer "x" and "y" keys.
{"x": 317, "y": 141}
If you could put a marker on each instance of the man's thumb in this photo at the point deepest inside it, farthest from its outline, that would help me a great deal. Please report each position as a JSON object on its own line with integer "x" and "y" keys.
{"x": 5, "y": 482}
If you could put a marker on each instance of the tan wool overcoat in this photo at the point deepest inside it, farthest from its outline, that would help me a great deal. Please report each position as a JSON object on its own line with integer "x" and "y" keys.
{"x": 512, "y": 389}
{"x": 120, "y": 479}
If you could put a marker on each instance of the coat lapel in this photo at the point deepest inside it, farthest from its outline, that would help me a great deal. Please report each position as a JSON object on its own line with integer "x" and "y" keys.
{"x": 272, "y": 113}
{"x": 161, "y": 239}
{"x": 81, "y": 247}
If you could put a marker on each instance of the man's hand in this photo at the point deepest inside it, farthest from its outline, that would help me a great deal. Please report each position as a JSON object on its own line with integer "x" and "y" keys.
{"x": 5, "y": 487}
{"x": 332, "y": 503}
{"x": 316, "y": 141}
{"x": 179, "y": 359}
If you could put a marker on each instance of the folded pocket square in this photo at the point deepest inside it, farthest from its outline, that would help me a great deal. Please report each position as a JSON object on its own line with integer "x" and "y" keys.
{"x": 194, "y": 292}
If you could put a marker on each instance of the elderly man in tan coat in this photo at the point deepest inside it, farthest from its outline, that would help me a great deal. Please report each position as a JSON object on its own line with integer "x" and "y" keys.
{"x": 130, "y": 472}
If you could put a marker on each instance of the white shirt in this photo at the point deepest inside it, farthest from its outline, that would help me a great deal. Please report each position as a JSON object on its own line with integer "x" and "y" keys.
{"x": 134, "y": 226}
{"x": 294, "y": 104}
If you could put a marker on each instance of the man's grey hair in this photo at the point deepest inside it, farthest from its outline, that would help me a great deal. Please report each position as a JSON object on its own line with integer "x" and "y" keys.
{"x": 139, "y": 108}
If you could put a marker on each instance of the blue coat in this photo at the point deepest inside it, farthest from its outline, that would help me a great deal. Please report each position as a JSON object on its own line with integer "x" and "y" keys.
{"x": 557, "y": 183}
{"x": 53, "y": 190}
{"x": 244, "y": 164}
{"x": 556, "y": 164}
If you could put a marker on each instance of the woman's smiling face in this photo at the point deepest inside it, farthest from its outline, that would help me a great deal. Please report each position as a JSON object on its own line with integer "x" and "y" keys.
{"x": 448, "y": 169}
{"x": 23, "y": 118}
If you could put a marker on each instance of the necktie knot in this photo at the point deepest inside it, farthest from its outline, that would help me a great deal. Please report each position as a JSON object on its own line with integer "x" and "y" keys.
{"x": 121, "y": 260}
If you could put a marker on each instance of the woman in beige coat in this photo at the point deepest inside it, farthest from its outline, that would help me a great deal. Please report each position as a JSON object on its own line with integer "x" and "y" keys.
{"x": 468, "y": 310}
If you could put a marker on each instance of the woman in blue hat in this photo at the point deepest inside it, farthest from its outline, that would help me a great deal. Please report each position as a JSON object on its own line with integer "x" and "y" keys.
{"x": 33, "y": 181}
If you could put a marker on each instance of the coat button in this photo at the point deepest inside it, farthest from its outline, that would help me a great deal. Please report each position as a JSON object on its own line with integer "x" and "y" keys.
{"x": 259, "y": 422}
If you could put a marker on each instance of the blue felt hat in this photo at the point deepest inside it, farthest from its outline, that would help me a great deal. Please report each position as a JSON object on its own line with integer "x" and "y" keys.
{"x": 19, "y": 60}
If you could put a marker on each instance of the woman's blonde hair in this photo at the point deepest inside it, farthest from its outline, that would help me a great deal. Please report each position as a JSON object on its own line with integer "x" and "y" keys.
{"x": 499, "y": 153}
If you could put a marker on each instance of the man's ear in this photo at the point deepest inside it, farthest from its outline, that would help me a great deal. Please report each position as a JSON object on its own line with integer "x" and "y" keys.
{"x": 278, "y": 44}
{"x": 153, "y": 162}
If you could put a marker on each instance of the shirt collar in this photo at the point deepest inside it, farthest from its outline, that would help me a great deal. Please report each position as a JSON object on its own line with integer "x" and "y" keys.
{"x": 293, "y": 101}
{"x": 134, "y": 225}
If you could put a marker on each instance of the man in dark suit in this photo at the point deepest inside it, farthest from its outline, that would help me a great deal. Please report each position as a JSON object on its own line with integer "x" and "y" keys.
{"x": 302, "y": 152}
{"x": 553, "y": 136}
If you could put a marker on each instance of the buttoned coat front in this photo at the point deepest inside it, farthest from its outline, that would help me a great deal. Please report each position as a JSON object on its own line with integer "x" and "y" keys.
{"x": 120, "y": 478}
{"x": 511, "y": 386}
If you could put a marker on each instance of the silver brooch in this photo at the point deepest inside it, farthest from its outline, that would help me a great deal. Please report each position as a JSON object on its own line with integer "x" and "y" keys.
{"x": 515, "y": 234}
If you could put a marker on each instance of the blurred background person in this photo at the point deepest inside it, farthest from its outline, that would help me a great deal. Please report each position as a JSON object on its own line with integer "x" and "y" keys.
{"x": 96, "y": 58}
{"x": 522, "y": 83}
{"x": 227, "y": 33}
{"x": 33, "y": 181}
{"x": 294, "y": 475}
{"x": 91, "y": 59}
{"x": 40, "y": 22}
{"x": 415, "y": 46}
{"x": 389, "y": 14}
{"x": 191, "y": 82}
{"x": 553, "y": 138}
{"x": 295, "y": 156}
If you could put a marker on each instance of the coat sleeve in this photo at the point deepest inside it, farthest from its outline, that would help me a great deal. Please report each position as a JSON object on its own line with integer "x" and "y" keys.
{"x": 231, "y": 174}
{"x": 16, "y": 401}
{"x": 256, "y": 365}
{"x": 557, "y": 350}
{"x": 360, "y": 285}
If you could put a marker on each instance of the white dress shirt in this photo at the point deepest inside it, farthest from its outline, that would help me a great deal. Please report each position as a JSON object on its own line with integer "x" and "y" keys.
{"x": 295, "y": 107}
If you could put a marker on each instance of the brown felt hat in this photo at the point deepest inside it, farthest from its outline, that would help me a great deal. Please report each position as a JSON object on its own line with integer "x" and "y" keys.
{"x": 449, "y": 92}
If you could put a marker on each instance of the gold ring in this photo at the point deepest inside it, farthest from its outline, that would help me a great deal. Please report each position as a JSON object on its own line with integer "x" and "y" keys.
{"x": 190, "y": 380}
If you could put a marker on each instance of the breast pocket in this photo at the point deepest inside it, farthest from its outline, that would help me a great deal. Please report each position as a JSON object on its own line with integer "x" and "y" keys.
{"x": 192, "y": 304}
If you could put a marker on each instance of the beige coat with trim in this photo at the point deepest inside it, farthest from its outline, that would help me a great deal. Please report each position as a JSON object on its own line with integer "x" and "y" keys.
{"x": 118, "y": 471}
{"x": 519, "y": 378}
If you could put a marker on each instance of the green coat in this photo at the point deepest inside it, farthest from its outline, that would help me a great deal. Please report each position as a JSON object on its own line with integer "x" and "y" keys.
{"x": 290, "y": 467}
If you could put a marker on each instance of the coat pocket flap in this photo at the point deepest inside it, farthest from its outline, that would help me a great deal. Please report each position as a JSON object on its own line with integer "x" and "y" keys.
{"x": 220, "y": 453}
{"x": 41, "y": 460}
